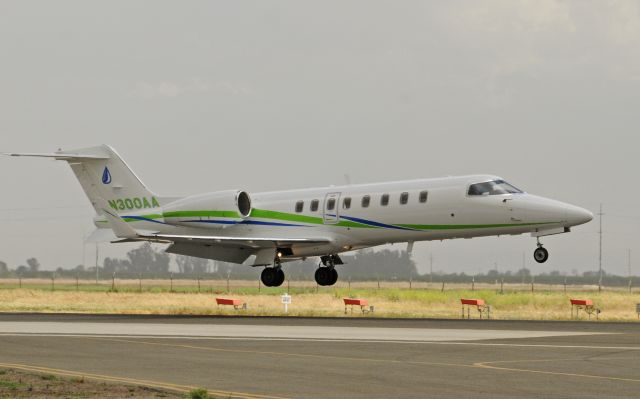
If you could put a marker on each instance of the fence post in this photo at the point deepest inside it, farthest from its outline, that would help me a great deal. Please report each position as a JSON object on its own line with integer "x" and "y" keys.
{"x": 113, "y": 282}
{"x": 473, "y": 283}
{"x": 378, "y": 282}
{"x": 20, "y": 280}
{"x": 198, "y": 284}
{"x": 140, "y": 282}
{"x": 171, "y": 282}
{"x": 565, "y": 285}
{"x": 349, "y": 282}
{"x": 259, "y": 284}
{"x": 53, "y": 284}
{"x": 502, "y": 285}
{"x": 533, "y": 279}
{"x": 77, "y": 285}
{"x": 629, "y": 286}
{"x": 410, "y": 278}
{"x": 443, "y": 286}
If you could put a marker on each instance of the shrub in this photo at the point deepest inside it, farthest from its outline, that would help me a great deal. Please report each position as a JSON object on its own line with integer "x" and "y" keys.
{"x": 199, "y": 393}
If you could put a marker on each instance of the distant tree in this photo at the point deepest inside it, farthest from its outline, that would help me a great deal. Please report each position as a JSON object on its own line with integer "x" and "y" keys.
{"x": 184, "y": 264}
{"x": 33, "y": 264}
{"x": 189, "y": 264}
{"x": 112, "y": 265}
{"x": 22, "y": 270}
{"x": 161, "y": 262}
{"x": 141, "y": 259}
{"x": 4, "y": 269}
{"x": 79, "y": 268}
{"x": 146, "y": 259}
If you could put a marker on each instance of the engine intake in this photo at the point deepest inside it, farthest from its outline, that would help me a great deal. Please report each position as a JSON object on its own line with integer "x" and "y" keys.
{"x": 214, "y": 210}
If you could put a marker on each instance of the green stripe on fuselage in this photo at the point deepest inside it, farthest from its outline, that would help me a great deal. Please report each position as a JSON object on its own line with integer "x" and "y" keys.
{"x": 315, "y": 220}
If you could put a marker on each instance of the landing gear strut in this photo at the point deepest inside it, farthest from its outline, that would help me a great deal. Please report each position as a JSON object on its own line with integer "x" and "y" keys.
{"x": 540, "y": 254}
{"x": 327, "y": 274}
{"x": 273, "y": 276}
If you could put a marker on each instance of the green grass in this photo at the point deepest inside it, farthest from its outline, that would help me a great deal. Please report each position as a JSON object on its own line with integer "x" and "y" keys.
{"x": 199, "y": 393}
{"x": 13, "y": 386}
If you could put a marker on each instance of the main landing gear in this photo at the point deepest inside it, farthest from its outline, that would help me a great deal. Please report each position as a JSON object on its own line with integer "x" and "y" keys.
{"x": 540, "y": 254}
{"x": 327, "y": 274}
{"x": 273, "y": 276}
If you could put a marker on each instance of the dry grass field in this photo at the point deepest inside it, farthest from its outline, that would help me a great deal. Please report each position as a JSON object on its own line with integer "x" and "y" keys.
{"x": 390, "y": 300}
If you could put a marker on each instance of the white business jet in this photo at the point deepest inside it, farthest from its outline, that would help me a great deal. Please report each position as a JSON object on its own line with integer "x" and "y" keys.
{"x": 266, "y": 229}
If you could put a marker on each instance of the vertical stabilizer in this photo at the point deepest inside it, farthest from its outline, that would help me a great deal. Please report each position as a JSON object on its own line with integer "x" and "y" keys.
{"x": 103, "y": 174}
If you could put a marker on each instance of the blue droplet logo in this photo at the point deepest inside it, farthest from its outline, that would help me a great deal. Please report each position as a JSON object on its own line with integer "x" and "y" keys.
{"x": 106, "y": 176}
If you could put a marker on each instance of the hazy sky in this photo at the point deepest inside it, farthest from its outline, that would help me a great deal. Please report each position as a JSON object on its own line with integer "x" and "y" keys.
{"x": 264, "y": 95}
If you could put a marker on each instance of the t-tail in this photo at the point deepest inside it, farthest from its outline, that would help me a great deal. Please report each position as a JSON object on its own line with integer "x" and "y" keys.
{"x": 103, "y": 174}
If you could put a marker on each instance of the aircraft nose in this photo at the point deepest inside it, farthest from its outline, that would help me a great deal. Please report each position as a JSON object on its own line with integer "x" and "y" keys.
{"x": 577, "y": 215}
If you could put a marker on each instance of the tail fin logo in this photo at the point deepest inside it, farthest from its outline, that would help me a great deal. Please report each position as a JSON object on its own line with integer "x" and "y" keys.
{"x": 106, "y": 176}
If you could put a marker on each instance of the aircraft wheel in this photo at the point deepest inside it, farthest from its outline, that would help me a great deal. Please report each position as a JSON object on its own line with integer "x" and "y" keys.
{"x": 540, "y": 255}
{"x": 279, "y": 278}
{"x": 269, "y": 276}
{"x": 334, "y": 276}
{"x": 322, "y": 276}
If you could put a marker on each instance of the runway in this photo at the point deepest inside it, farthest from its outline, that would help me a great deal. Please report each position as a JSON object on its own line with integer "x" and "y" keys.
{"x": 247, "y": 357}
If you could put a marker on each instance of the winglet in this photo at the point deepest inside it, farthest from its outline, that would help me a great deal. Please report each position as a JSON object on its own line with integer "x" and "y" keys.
{"x": 119, "y": 226}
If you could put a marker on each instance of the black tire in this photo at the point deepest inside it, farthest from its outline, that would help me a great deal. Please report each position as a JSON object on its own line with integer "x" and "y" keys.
{"x": 333, "y": 274}
{"x": 322, "y": 276}
{"x": 279, "y": 278}
{"x": 269, "y": 276}
{"x": 540, "y": 255}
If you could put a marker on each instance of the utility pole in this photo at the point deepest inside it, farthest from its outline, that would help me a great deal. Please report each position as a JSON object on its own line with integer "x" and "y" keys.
{"x": 600, "y": 214}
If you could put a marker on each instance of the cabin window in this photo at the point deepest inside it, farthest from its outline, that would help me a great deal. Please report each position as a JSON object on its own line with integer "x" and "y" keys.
{"x": 346, "y": 203}
{"x": 384, "y": 200}
{"x": 423, "y": 196}
{"x": 404, "y": 198}
{"x": 314, "y": 205}
{"x": 331, "y": 204}
{"x": 494, "y": 187}
{"x": 299, "y": 206}
{"x": 365, "y": 201}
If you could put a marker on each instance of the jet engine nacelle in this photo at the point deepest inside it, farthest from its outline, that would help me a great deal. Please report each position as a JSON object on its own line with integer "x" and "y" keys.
{"x": 214, "y": 210}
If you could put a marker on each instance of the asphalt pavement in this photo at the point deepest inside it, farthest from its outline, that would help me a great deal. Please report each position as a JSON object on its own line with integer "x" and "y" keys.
{"x": 248, "y": 357}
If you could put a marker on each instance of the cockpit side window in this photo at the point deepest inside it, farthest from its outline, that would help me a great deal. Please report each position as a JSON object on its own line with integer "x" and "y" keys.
{"x": 494, "y": 187}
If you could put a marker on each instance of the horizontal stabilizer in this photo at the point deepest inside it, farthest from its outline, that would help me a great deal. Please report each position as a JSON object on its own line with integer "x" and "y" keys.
{"x": 64, "y": 156}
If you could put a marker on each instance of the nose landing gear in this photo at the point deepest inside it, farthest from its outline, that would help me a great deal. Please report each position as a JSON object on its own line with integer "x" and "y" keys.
{"x": 540, "y": 254}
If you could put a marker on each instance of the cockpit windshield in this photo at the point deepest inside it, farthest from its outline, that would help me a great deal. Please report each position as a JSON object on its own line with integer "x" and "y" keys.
{"x": 494, "y": 187}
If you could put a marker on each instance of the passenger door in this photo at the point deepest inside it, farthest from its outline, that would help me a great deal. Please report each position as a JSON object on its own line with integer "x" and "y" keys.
{"x": 330, "y": 210}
